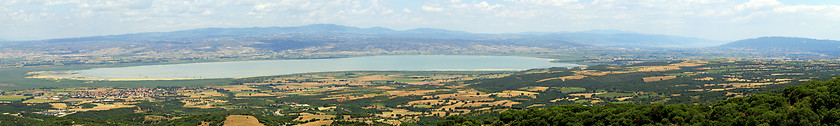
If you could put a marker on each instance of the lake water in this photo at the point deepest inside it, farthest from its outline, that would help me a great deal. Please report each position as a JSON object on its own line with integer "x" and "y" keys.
{"x": 279, "y": 67}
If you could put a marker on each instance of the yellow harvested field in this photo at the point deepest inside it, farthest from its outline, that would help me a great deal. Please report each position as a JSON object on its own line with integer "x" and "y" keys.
{"x": 348, "y": 97}
{"x": 704, "y": 79}
{"x": 587, "y": 95}
{"x": 426, "y": 102}
{"x": 478, "y": 104}
{"x": 538, "y": 89}
{"x": 310, "y": 116}
{"x": 469, "y": 95}
{"x": 745, "y": 85}
{"x": 242, "y": 120}
{"x": 658, "y": 78}
{"x": 251, "y": 94}
{"x": 494, "y": 103}
{"x": 670, "y": 67}
{"x": 394, "y": 112}
{"x": 384, "y": 87}
{"x": 601, "y": 73}
{"x": 564, "y": 78}
{"x": 566, "y": 98}
{"x": 100, "y": 106}
{"x": 39, "y": 101}
{"x": 317, "y": 123}
{"x": 513, "y": 93}
{"x": 376, "y": 77}
{"x": 238, "y": 87}
{"x": 201, "y": 103}
{"x": 201, "y": 93}
{"x": 59, "y": 105}
{"x": 623, "y": 98}
{"x": 409, "y": 93}
{"x": 658, "y": 68}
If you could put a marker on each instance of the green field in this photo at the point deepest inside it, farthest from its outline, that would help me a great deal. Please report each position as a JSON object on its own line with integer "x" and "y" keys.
{"x": 13, "y": 98}
{"x": 614, "y": 95}
{"x": 39, "y": 100}
{"x": 571, "y": 89}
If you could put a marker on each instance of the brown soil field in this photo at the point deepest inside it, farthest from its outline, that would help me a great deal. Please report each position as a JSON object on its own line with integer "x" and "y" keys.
{"x": 242, "y": 120}
{"x": 658, "y": 78}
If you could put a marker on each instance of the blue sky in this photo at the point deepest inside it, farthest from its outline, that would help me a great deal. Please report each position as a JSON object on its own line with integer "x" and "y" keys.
{"x": 711, "y": 19}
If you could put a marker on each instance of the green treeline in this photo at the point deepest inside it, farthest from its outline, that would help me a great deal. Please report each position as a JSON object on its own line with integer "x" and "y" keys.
{"x": 815, "y": 103}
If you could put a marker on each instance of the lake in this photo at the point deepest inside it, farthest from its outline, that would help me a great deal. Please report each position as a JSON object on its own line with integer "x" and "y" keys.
{"x": 279, "y": 67}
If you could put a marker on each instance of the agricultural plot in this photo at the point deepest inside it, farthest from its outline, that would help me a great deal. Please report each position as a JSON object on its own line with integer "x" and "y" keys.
{"x": 242, "y": 120}
{"x": 406, "y": 97}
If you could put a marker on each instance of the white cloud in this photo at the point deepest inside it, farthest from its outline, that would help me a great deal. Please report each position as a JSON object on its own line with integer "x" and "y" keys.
{"x": 717, "y": 19}
{"x": 431, "y": 9}
{"x": 485, "y": 6}
{"x": 756, "y": 4}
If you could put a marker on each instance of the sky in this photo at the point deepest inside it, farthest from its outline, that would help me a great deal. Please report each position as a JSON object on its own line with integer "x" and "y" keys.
{"x": 709, "y": 19}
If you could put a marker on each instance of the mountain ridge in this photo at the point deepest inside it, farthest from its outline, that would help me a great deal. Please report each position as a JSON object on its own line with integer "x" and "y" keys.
{"x": 786, "y": 43}
{"x": 606, "y": 38}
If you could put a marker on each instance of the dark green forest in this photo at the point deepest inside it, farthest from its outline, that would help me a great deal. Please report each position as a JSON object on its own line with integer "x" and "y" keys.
{"x": 814, "y": 103}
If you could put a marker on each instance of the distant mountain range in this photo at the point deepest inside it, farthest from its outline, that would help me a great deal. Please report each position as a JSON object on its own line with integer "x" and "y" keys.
{"x": 329, "y": 40}
{"x": 603, "y": 38}
{"x": 786, "y": 44}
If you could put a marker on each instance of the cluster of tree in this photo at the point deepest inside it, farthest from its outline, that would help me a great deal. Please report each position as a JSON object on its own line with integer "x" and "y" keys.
{"x": 14, "y": 120}
{"x": 815, "y": 103}
{"x": 752, "y": 71}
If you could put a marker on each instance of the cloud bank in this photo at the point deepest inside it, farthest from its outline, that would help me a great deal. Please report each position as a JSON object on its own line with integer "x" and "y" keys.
{"x": 713, "y": 19}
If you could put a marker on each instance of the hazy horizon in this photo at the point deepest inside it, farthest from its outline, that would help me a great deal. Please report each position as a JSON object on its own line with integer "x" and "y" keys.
{"x": 707, "y": 19}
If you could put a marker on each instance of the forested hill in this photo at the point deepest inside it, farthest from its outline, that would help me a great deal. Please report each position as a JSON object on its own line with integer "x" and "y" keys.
{"x": 815, "y": 103}
{"x": 786, "y": 44}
